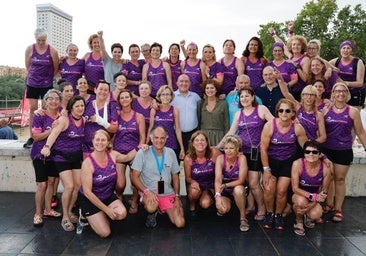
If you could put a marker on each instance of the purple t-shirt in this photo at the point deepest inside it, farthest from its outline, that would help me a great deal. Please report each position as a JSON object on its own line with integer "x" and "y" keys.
{"x": 41, "y": 70}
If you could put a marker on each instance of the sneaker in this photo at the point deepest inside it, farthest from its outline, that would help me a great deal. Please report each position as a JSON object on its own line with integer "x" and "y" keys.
{"x": 29, "y": 143}
{"x": 54, "y": 202}
{"x": 268, "y": 220}
{"x": 279, "y": 222}
{"x": 151, "y": 220}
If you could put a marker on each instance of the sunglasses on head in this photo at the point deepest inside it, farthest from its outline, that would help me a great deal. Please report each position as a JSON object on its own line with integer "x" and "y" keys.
{"x": 314, "y": 152}
{"x": 281, "y": 110}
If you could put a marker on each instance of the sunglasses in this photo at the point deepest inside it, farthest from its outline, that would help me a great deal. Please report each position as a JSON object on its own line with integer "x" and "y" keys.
{"x": 281, "y": 110}
{"x": 314, "y": 152}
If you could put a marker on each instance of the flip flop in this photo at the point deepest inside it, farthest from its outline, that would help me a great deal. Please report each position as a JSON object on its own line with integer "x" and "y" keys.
{"x": 299, "y": 229}
{"x": 133, "y": 209}
{"x": 244, "y": 225}
{"x": 67, "y": 225}
{"x": 259, "y": 217}
{"x": 37, "y": 220}
{"x": 338, "y": 216}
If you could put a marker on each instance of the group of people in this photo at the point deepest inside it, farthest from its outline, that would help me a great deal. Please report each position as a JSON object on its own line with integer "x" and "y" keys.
{"x": 233, "y": 123}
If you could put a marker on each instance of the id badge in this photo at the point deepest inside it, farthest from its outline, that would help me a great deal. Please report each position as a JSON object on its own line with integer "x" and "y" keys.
{"x": 160, "y": 187}
{"x": 254, "y": 154}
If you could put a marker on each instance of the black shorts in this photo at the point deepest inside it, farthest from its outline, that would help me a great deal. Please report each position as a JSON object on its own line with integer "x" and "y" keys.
{"x": 281, "y": 168}
{"x": 65, "y": 166}
{"x": 89, "y": 209}
{"x": 44, "y": 169}
{"x": 343, "y": 157}
{"x": 254, "y": 165}
{"x": 357, "y": 98}
{"x": 36, "y": 93}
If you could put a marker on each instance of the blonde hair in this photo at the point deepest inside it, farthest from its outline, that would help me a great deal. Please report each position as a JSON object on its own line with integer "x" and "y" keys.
{"x": 344, "y": 86}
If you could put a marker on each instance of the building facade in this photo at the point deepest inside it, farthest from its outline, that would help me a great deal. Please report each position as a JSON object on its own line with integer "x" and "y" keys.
{"x": 58, "y": 25}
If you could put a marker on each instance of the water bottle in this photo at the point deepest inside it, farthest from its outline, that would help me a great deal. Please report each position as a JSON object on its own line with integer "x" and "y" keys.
{"x": 80, "y": 225}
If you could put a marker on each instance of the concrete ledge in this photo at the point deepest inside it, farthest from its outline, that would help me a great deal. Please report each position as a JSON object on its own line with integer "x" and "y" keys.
{"x": 17, "y": 173}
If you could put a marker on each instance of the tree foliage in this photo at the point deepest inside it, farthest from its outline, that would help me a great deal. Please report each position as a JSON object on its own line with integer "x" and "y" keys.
{"x": 11, "y": 87}
{"x": 322, "y": 20}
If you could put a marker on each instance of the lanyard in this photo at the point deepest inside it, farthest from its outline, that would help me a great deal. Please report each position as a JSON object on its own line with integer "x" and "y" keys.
{"x": 159, "y": 164}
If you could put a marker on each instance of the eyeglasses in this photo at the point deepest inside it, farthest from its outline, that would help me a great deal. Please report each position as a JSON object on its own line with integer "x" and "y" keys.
{"x": 312, "y": 49}
{"x": 165, "y": 95}
{"x": 314, "y": 152}
{"x": 281, "y": 110}
{"x": 340, "y": 91}
{"x": 308, "y": 94}
{"x": 53, "y": 98}
{"x": 277, "y": 50}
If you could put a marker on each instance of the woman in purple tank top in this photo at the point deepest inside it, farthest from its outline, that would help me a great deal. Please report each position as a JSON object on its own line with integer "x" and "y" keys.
{"x": 174, "y": 62}
{"x": 167, "y": 116}
{"x": 231, "y": 170}
{"x": 342, "y": 121}
{"x": 310, "y": 179}
{"x": 199, "y": 169}
{"x": 278, "y": 150}
{"x": 96, "y": 196}
{"x": 214, "y": 69}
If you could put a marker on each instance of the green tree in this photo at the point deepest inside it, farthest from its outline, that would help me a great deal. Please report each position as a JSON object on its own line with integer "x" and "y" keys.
{"x": 11, "y": 87}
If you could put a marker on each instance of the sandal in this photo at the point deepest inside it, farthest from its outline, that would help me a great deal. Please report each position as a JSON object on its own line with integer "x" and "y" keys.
{"x": 328, "y": 208}
{"x": 37, "y": 220}
{"x": 74, "y": 218}
{"x": 67, "y": 225}
{"x": 244, "y": 225}
{"x": 51, "y": 214}
{"x": 133, "y": 209}
{"x": 338, "y": 216}
{"x": 309, "y": 223}
{"x": 299, "y": 229}
{"x": 259, "y": 217}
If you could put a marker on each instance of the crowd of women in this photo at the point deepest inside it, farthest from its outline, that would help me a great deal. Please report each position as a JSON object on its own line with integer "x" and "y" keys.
{"x": 288, "y": 149}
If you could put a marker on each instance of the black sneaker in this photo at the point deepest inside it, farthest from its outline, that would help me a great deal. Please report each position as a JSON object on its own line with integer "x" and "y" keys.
{"x": 268, "y": 220}
{"x": 151, "y": 220}
{"x": 29, "y": 143}
{"x": 279, "y": 222}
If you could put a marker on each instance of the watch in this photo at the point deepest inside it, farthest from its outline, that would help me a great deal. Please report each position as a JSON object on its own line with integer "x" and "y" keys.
{"x": 310, "y": 197}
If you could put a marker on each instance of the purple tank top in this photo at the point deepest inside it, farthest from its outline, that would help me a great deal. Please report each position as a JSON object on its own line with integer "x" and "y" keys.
{"x": 71, "y": 73}
{"x": 309, "y": 183}
{"x": 195, "y": 76}
{"x": 41, "y": 70}
{"x": 127, "y": 137}
{"x": 94, "y": 70}
{"x": 92, "y": 127}
{"x": 309, "y": 122}
{"x": 157, "y": 77}
{"x": 250, "y": 128}
{"x": 176, "y": 72}
{"x": 40, "y": 124}
{"x": 204, "y": 173}
{"x": 228, "y": 176}
{"x": 70, "y": 140}
{"x": 346, "y": 73}
{"x": 133, "y": 73}
{"x": 104, "y": 178}
{"x": 230, "y": 74}
{"x": 282, "y": 145}
{"x": 339, "y": 129}
{"x": 254, "y": 71}
{"x": 286, "y": 69}
{"x": 144, "y": 111}
{"x": 300, "y": 83}
{"x": 166, "y": 119}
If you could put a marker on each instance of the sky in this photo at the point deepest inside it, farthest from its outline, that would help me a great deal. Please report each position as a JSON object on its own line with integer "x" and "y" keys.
{"x": 146, "y": 21}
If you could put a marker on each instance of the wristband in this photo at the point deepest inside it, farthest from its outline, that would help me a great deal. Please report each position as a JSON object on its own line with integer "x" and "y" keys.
{"x": 273, "y": 34}
{"x": 290, "y": 32}
{"x": 146, "y": 190}
{"x": 217, "y": 194}
{"x": 314, "y": 197}
{"x": 267, "y": 169}
{"x": 177, "y": 195}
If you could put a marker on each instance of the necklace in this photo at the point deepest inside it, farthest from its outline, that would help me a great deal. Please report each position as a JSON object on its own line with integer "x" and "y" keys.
{"x": 339, "y": 109}
{"x": 76, "y": 118}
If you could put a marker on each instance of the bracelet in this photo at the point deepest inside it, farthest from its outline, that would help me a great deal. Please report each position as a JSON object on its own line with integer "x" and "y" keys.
{"x": 177, "y": 195}
{"x": 46, "y": 146}
{"x": 146, "y": 190}
{"x": 290, "y": 32}
{"x": 225, "y": 185}
{"x": 267, "y": 169}
{"x": 273, "y": 34}
{"x": 217, "y": 194}
{"x": 314, "y": 197}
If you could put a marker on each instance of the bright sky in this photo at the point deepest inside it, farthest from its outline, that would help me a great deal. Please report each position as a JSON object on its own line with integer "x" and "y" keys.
{"x": 146, "y": 21}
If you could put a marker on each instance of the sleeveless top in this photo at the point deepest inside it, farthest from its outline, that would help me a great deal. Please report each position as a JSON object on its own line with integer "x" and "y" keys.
{"x": 309, "y": 122}
{"x": 94, "y": 70}
{"x": 282, "y": 145}
{"x": 195, "y": 76}
{"x": 41, "y": 70}
{"x": 71, "y": 73}
{"x": 339, "y": 129}
{"x": 166, "y": 119}
{"x": 254, "y": 71}
{"x": 204, "y": 173}
{"x": 127, "y": 136}
{"x": 133, "y": 73}
{"x": 286, "y": 69}
{"x": 250, "y": 129}
{"x": 104, "y": 178}
{"x": 228, "y": 176}
{"x": 346, "y": 73}
{"x": 300, "y": 83}
{"x": 70, "y": 140}
{"x": 176, "y": 72}
{"x": 144, "y": 111}
{"x": 309, "y": 183}
{"x": 230, "y": 74}
{"x": 157, "y": 77}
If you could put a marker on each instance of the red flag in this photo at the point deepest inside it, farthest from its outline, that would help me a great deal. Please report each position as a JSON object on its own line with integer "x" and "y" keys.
{"x": 25, "y": 111}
